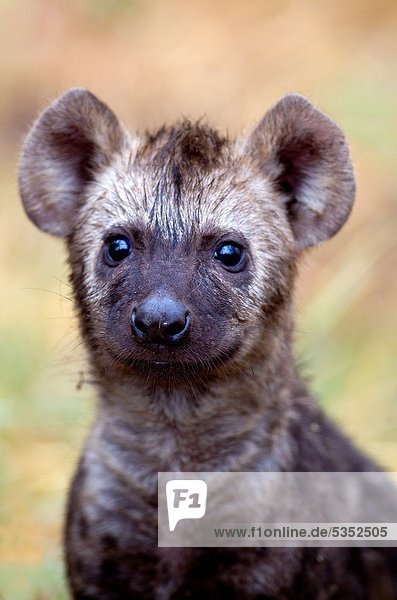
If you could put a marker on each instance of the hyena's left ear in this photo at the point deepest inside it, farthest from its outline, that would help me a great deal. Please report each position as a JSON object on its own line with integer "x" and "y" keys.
{"x": 75, "y": 138}
{"x": 305, "y": 156}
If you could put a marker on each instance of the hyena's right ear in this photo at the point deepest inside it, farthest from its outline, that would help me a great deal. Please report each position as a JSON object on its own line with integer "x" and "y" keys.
{"x": 75, "y": 138}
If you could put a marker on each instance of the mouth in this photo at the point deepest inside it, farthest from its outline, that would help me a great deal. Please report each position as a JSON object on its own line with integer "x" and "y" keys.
{"x": 177, "y": 363}
{"x": 162, "y": 363}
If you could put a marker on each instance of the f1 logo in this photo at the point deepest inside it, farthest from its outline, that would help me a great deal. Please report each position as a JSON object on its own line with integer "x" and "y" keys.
{"x": 186, "y": 499}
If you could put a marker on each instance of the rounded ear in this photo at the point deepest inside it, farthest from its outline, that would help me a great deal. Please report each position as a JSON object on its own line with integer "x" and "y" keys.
{"x": 305, "y": 156}
{"x": 71, "y": 142}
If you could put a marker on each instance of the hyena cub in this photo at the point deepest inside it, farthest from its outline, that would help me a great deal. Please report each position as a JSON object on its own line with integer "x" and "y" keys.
{"x": 183, "y": 247}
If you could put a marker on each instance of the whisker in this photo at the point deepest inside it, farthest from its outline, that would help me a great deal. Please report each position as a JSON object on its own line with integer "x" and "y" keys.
{"x": 61, "y": 281}
{"x": 36, "y": 289}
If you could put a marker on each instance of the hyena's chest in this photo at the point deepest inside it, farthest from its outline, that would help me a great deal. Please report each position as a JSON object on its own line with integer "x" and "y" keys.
{"x": 112, "y": 547}
{"x": 112, "y": 552}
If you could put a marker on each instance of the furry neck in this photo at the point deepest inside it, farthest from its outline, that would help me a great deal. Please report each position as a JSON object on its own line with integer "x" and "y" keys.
{"x": 225, "y": 421}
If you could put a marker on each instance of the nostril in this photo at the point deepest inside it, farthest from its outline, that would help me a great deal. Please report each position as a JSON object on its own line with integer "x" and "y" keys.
{"x": 138, "y": 325}
{"x": 173, "y": 329}
{"x": 177, "y": 329}
{"x": 141, "y": 326}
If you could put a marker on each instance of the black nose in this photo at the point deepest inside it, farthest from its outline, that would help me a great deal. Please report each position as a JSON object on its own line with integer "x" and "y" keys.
{"x": 160, "y": 319}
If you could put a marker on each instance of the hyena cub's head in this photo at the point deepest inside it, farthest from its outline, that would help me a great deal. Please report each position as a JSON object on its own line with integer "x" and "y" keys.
{"x": 183, "y": 244}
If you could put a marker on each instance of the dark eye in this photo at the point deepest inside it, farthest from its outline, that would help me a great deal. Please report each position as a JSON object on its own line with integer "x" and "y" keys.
{"x": 231, "y": 256}
{"x": 117, "y": 248}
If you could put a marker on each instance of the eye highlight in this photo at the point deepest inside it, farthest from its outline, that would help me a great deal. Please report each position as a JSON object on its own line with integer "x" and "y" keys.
{"x": 231, "y": 256}
{"x": 117, "y": 248}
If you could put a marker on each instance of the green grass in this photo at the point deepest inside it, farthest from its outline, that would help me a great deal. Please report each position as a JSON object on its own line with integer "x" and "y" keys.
{"x": 45, "y": 581}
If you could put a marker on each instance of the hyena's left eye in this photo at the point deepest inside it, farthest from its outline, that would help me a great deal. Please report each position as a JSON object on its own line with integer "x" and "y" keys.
{"x": 117, "y": 248}
{"x": 231, "y": 256}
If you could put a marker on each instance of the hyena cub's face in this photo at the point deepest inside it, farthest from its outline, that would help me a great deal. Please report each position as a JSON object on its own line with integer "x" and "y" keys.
{"x": 183, "y": 244}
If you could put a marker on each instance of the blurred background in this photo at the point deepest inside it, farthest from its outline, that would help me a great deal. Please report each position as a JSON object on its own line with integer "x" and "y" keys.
{"x": 153, "y": 61}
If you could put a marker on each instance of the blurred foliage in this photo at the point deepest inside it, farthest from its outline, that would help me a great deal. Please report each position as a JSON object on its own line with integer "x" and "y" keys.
{"x": 153, "y": 61}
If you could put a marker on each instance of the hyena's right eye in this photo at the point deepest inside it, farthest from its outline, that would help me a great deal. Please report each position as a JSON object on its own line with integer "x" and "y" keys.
{"x": 117, "y": 248}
